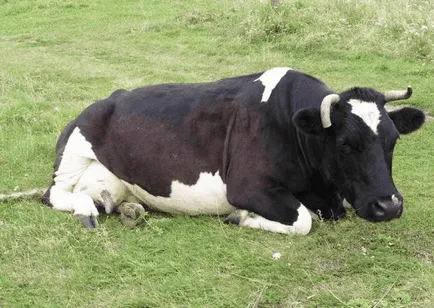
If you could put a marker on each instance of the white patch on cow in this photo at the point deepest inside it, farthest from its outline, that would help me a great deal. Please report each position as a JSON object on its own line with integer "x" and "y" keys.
{"x": 76, "y": 158}
{"x": 301, "y": 227}
{"x": 270, "y": 79}
{"x": 395, "y": 200}
{"x": 83, "y": 205}
{"x": 346, "y": 204}
{"x": 368, "y": 112}
{"x": 304, "y": 221}
{"x": 207, "y": 196}
{"x": 96, "y": 179}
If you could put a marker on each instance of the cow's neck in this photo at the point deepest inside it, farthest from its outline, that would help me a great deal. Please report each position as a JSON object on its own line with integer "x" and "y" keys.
{"x": 312, "y": 151}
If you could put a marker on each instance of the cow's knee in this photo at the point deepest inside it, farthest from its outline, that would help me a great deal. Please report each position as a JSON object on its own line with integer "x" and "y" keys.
{"x": 245, "y": 218}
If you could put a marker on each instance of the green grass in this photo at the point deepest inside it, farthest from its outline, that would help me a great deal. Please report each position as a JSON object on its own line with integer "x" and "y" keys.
{"x": 56, "y": 57}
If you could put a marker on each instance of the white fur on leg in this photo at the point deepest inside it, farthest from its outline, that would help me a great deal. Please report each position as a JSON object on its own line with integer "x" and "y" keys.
{"x": 302, "y": 226}
{"x": 76, "y": 158}
{"x": 96, "y": 181}
{"x": 61, "y": 199}
{"x": 78, "y": 203}
{"x": 84, "y": 206}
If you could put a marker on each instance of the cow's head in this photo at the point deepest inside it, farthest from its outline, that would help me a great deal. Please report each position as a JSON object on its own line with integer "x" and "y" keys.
{"x": 358, "y": 137}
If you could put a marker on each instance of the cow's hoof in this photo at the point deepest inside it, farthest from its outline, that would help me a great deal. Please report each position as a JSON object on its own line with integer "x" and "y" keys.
{"x": 131, "y": 214}
{"x": 236, "y": 217}
{"x": 88, "y": 222}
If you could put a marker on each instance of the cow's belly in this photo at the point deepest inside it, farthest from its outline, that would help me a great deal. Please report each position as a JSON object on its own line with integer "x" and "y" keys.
{"x": 207, "y": 196}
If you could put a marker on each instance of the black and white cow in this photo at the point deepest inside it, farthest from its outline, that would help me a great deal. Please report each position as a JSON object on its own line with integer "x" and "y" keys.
{"x": 263, "y": 148}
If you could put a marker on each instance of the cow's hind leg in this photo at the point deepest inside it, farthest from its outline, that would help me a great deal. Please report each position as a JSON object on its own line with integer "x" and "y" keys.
{"x": 102, "y": 186}
{"x": 76, "y": 158}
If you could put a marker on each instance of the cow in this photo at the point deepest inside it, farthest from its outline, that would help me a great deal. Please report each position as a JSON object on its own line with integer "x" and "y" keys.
{"x": 266, "y": 149}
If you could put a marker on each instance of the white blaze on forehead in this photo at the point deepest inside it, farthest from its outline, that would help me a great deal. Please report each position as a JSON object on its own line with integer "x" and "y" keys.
{"x": 207, "y": 196}
{"x": 270, "y": 79}
{"x": 368, "y": 112}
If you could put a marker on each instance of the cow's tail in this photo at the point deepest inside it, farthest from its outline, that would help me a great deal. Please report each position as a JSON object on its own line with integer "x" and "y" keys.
{"x": 35, "y": 193}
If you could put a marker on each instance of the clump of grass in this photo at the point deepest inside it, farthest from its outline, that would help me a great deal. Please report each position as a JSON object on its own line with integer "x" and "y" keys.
{"x": 199, "y": 17}
{"x": 371, "y": 27}
{"x": 267, "y": 22}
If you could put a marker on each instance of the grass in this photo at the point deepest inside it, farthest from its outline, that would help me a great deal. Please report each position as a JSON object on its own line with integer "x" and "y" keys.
{"x": 56, "y": 57}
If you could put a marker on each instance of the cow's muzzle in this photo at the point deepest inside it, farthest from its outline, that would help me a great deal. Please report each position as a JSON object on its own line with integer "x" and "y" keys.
{"x": 386, "y": 208}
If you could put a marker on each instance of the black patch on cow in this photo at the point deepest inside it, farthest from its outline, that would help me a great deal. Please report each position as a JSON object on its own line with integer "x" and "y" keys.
{"x": 308, "y": 121}
{"x": 364, "y": 94}
{"x": 46, "y": 198}
{"x": 407, "y": 119}
{"x": 154, "y": 135}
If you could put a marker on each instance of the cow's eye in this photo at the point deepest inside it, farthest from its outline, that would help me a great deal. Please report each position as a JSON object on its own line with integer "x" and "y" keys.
{"x": 346, "y": 148}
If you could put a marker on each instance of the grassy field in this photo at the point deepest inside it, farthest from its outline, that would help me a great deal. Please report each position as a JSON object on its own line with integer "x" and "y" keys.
{"x": 56, "y": 57}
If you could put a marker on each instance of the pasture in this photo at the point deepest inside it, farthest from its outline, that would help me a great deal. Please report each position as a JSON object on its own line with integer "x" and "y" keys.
{"x": 57, "y": 57}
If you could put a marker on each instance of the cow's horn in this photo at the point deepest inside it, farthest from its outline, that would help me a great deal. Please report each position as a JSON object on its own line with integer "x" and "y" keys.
{"x": 326, "y": 104}
{"x": 397, "y": 94}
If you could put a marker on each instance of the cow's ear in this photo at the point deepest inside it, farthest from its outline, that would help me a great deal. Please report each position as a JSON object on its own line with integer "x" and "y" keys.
{"x": 407, "y": 119}
{"x": 308, "y": 121}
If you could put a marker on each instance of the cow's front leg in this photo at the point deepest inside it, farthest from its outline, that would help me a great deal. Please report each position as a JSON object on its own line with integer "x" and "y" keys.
{"x": 327, "y": 208}
{"x": 278, "y": 212}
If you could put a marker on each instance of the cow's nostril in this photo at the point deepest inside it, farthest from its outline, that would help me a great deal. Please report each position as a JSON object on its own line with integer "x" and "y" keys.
{"x": 386, "y": 210}
{"x": 379, "y": 209}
